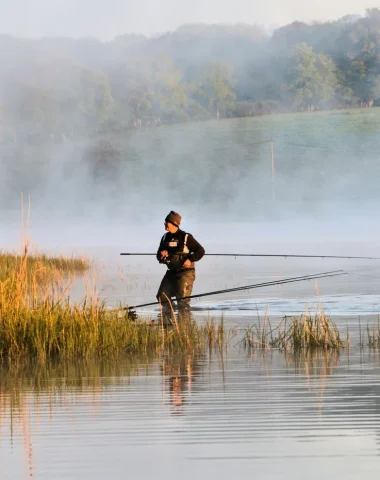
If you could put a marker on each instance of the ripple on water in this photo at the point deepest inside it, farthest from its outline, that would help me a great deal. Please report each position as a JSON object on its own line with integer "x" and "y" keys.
{"x": 271, "y": 414}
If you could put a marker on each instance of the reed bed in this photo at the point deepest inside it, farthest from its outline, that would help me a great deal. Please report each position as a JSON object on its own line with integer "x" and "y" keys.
{"x": 41, "y": 267}
{"x": 41, "y": 323}
{"x": 70, "y": 331}
{"x": 373, "y": 334}
{"x": 294, "y": 334}
{"x": 308, "y": 331}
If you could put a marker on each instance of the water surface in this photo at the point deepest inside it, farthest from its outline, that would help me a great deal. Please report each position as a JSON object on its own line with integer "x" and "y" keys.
{"x": 245, "y": 415}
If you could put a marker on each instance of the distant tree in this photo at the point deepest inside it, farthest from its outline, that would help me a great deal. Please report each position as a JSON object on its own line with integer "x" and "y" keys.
{"x": 312, "y": 79}
{"x": 140, "y": 98}
{"x": 216, "y": 82}
{"x": 95, "y": 99}
{"x": 31, "y": 110}
{"x": 87, "y": 87}
{"x": 357, "y": 55}
{"x": 151, "y": 85}
{"x": 169, "y": 87}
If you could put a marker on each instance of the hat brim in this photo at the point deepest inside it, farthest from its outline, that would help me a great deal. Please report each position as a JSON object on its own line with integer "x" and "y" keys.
{"x": 171, "y": 221}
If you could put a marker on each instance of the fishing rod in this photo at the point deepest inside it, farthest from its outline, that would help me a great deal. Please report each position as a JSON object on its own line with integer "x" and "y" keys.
{"x": 260, "y": 255}
{"x": 313, "y": 276}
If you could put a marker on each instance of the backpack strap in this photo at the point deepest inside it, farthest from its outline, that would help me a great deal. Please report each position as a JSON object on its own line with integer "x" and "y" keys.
{"x": 185, "y": 248}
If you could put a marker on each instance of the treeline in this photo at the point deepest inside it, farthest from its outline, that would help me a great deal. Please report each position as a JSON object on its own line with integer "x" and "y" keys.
{"x": 60, "y": 87}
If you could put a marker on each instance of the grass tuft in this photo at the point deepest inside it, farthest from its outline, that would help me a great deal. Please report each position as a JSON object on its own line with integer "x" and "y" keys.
{"x": 373, "y": 334}
{"x": 37, "y": 321}
{"x": 294, "y": 334}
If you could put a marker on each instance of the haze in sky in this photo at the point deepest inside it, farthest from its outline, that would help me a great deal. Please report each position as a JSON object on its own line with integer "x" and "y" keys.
{"x": 106, "y": 19}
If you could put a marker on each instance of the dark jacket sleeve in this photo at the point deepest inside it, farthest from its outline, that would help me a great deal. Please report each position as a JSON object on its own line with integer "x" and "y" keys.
{"x": 196, "y": 249}
{"x": 160, "y": 249}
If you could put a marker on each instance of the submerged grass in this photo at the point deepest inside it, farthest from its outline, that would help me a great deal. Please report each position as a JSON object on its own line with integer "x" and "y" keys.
{"x": 309, "y": 331}
{"x": 294, "y": 334}
{"x": 40, "y": 322}
{"x": 298, "y": 333}
{"x": 85, "y": 331}
{"x": 373, "y": 334}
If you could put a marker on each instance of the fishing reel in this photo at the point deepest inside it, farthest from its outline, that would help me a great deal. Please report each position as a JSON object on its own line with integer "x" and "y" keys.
{"x": 132, "y": 315}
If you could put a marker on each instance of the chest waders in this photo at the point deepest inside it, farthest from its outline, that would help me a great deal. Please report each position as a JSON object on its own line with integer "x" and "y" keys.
{"x": 177, "y": 282}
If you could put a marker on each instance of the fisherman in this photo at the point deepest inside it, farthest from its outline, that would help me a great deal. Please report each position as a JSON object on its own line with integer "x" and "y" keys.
{"x": 179, "y": 251}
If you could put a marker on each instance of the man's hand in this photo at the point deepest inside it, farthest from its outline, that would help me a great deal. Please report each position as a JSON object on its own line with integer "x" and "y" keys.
{"x": 187, "y": 264}
{"x": 164, "y": 254}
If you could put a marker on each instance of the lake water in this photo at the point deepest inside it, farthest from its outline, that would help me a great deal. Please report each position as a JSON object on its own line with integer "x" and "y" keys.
{"x": 134, "y": 280}
{"x": 241, "y": 415}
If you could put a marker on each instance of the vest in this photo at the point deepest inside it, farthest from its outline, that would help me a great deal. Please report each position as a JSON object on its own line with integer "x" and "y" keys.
{"x": 177, "y": 252}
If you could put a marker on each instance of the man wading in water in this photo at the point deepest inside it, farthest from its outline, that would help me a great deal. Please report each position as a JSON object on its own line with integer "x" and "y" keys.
{"x": 178, "y": 250}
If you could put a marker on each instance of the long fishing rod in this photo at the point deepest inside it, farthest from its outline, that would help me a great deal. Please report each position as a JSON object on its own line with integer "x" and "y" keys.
{"x": 314, "y": 276}
{"x": 260, "y": 255}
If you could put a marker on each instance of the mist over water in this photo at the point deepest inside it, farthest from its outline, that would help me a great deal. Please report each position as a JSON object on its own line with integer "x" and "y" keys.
{"x": 117, "y": 190}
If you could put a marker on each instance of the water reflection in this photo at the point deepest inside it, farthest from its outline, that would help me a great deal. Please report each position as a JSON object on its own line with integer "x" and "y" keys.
{"x": 31, "y": 392}
{"x": 98, "y": 419}
{"x": 179, "y": 373}
{"x": 183, "y": 375}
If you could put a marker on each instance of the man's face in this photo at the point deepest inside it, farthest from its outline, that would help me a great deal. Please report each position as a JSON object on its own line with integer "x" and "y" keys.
{"x": 169, "y": 227}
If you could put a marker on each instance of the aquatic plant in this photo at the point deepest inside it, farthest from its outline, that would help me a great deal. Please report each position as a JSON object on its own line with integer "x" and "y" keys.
{"x": 42, "y": 266}
{"x": 373, "y": 334}
{"x": 308, "y": 331}
{"x": 42, "y": 323}
{"x": 296, "y": 333}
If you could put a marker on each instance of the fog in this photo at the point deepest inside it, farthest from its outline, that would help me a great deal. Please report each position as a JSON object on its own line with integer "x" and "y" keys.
{"x": 219, "y": 180}
{"x": 92, "y": 186}
{"x": 105, "y": 20}
{"x": 225, "y": 195}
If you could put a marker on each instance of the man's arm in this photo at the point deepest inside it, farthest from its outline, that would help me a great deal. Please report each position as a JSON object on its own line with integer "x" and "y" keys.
{"x": 161, "y": 248}
{"x": 195, "y": 248}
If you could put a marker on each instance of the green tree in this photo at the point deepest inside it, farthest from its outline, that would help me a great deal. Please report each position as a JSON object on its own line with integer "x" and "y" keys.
{"x": 170, "y": 88}
{"x": 140, "y": 99}
{"x": 358, "y": 57}
{"x": 217, "y": 85}
{"x": 311, "y": 78}
{"x": 151, "y": 85}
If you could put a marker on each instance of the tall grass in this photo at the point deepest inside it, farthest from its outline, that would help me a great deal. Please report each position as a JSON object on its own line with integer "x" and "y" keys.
{"x": 309, "y": 331}
{"x": 40, "y": 322}
{"x": 42, "y": 267}
{"x": 373, "y": 334}
{"x": 294, "y": 334}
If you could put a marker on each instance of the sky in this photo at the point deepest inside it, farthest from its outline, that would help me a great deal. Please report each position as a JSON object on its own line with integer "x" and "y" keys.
{"x": 105, "y": 19}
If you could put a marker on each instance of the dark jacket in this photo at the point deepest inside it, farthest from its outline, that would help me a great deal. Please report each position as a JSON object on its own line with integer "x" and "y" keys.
{"x": 180, "y": 246}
